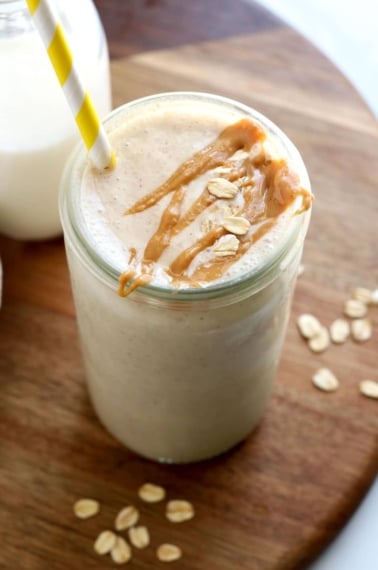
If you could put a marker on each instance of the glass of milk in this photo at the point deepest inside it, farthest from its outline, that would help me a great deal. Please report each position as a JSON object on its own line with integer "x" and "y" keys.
{"x": 37, "y": 130}
{"x": 176, "y": 374}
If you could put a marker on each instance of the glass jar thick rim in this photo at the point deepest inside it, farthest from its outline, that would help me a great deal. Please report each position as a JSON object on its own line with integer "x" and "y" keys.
{"x": 246, "y": 283}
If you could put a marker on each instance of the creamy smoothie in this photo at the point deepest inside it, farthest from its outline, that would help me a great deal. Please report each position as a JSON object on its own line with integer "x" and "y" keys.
{"x": 183, "y": 260}
{"x": 37, "y": 130}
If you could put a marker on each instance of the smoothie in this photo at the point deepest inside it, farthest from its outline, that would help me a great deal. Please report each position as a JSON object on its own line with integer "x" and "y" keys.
{"x": 199, "y": 229}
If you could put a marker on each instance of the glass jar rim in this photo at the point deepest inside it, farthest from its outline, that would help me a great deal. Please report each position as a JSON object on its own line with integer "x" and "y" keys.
{"x": 254, "y": 279}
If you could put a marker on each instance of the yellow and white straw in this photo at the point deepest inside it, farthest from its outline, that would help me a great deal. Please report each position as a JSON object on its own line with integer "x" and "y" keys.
{"x": 92, "y": 131}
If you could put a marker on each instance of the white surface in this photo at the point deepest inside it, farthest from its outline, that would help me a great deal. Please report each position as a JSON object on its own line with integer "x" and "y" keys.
{"x": 356, "y": 547}
{"x": 347, "y": 32}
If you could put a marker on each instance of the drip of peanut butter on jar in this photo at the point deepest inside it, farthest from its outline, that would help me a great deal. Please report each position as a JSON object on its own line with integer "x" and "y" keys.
{"x": 264, "y": 198}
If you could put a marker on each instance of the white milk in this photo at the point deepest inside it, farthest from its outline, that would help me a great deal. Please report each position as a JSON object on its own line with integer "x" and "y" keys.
{"x": 37, "y": 130}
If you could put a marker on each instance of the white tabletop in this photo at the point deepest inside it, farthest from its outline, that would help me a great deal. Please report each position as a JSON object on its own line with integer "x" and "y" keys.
{"x": 347, "y": 32}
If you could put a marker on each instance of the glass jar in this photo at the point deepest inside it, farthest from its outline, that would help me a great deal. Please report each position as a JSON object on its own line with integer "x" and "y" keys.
{"x": 180, "y": 375}
{"x": 37, "y": 129}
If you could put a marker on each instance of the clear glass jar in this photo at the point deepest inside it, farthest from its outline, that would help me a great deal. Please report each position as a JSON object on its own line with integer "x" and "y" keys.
{"x": 37, "y": 130}
{"x": 180, "y": 375}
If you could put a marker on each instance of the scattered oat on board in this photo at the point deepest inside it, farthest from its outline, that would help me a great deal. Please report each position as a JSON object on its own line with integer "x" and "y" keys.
{"x": 320, "y": 342}
{"x": 226, "y": 245}
{"x": 105, "y": 542}
{"x": 362, "y": 330}
{"x": 168, "y": 552}
{"x": 139, "y": 536}
{"x": 222, "y": 188}
{"x": 121, "y": 551}
{"x": 362, "y": 294}
{"x": 236, "y": 225}
{"x": 301, "y": 269}
{"x": 86, "y": 508}
{"x": 355, "y": 309}
{"x": 126, "y": 518}
{"x": 179, "y": 511}
{"x": 308, "y": 325}
{"x": 325, "y": 380}
{"x": 369, "y": 388}
{"x": 151, "y": 493}
{"x": 339, "y": 331}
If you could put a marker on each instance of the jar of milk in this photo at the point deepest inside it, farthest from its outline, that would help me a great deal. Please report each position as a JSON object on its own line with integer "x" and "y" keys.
{"x": 37, "y": 129}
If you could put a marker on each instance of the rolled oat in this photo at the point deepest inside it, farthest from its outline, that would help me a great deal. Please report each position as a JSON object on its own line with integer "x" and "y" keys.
{"x": 339, "y": 331}
{"x": 320, "y": 342}
{"x": 168, "y": 552}
{"x": 179, "y": 511}
{"x": 222, "y": 188}
{"x": 369, "y": 388}
{"x": 355, "y": 309}
{"x": 126, "y": 518}
{"x": 308, "y": 325}
{"x": 121, "y": 551}
{"x": 325, "y": 380}
{"x": 86, "y": 508}
{"x": 105, "y": 542}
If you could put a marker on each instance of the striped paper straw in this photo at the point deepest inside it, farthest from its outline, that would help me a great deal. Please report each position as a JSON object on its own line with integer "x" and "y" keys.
{"x": 92, "y": 131}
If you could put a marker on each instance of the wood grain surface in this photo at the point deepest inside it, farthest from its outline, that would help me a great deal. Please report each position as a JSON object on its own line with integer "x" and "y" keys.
{"x": 280, "y": 497}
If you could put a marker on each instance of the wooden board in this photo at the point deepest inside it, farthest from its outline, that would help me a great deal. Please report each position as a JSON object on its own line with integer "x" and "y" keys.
{"x": 280, "y": 497}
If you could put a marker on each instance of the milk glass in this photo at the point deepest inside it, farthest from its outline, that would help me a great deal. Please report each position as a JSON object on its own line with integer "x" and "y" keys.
{"x": 37, "y": 129}
{"x": 180, "y": 375}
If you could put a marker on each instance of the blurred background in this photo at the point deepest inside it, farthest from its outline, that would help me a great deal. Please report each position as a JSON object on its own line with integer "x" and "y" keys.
{"x": 347, "y": 32}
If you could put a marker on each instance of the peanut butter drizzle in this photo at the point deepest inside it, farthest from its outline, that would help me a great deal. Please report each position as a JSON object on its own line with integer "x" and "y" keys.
{"x": 185, "y": 258}
{"x": 169, "y": 221}
{"x": 125, "y": 290}
{"x": 276, "y": 190}
{"x": 126, "y": 276}
{"x": 218, "y": 266}
{"x": 203, "y": 202}
{"x": 240, "y": 135}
